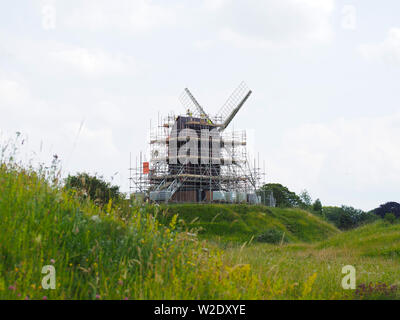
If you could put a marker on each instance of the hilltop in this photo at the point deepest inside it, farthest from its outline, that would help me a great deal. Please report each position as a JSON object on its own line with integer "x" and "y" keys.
{"x": 241, "y": 222}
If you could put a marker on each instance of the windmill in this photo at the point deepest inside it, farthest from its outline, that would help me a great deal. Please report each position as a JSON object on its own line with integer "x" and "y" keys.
{"x": 203, "y": 179}
{"x": 226, "y": 113}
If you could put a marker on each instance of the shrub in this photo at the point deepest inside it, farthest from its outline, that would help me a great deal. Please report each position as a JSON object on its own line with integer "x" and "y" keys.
{"x": 93, "y": 187}
{"x": 317, "y": 206}
{"x": 392, "y": 207}
{"x": 273, "y": 236}
{"x": 346, "y": 218}
{"x": 390, "y": 217}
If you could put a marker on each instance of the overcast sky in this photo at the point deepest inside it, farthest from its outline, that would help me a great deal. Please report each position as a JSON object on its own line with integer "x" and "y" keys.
{"x": 82, "y": 79}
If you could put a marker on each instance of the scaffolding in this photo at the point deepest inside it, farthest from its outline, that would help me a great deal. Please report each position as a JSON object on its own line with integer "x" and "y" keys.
{"x": 194, "y": 159}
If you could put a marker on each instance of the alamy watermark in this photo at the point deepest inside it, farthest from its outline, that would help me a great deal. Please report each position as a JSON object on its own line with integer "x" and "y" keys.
{"x": 49, "y": 15}
{"x": 49, "y": 280}
{"x": 349, "y": 280}
{"x": 200, "y": 147}
{"x": 349, "y": 17}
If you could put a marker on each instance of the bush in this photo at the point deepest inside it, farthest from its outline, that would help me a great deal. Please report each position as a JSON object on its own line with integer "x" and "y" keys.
{"x": 346, "y": 218}
{"x": 392, "y": 207}
{"x": 390, "y": 217}
{"x": 94, "y": 188}
{"x": 273, "y": 236}
{"x": 317, "y": 206}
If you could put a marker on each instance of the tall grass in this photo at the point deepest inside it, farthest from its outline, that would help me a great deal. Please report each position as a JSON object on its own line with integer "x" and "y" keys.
{"x": 138, "y": 251}
{"x": 373, "y": 250}
{"x": 96, "y": 254}
{"x": 102, "y": 254}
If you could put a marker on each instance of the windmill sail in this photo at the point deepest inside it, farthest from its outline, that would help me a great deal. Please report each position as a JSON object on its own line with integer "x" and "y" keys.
{"x": 232, "y": 106}
{"x": 191, "y": 104}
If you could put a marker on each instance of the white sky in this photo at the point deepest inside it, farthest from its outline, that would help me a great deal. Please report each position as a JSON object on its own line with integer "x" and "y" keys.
{"x": 324, "y": 74}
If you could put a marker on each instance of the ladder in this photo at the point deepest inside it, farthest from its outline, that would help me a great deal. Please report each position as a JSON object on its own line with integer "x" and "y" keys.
{"x": 175, "y": 185}
{"x": 170, "y": 188}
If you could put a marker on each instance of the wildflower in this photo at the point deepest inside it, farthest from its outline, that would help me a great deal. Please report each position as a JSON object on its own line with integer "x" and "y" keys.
{"x": 44, "y": 298}
{"x": 98, "y": 296}
{"x": 12, "y": 288}
{"x": 52, "y": 261}
{"x": 120, "y": 282}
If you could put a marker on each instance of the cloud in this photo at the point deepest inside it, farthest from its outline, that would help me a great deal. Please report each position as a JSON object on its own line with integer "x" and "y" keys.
{"x": 133, "y": 16}
{"x": 387, "y": 51}
{"x": 12, "y": 92}
{"x": 202, "y": 44}
{"x": 58, "y": 57}
{"x": 272, "y": 23}
{"x": 92, "y": 141}
{"x": 345, "y": 161}
{"x": 49, "y": 128}
{"x": 215, "y": 4}
{"x": 92, "y": 62}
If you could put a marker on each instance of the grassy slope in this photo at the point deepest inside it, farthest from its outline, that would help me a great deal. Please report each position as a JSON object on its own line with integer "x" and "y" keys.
{"x": 112, "y": 254}
{"x": 373, "y": 250}
{"x": 128, "y": 254}
{"x": 242, "y": 222}
{"x": 378, "y": 239}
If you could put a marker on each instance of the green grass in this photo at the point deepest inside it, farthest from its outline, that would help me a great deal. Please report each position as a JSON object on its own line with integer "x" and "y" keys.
{"x": 105, "y": 254}
{"x": 241, "y": 223}
{"x": 143, "y": 252}
{"x": 373, "y": 250}
{"x": 379, "y": 239}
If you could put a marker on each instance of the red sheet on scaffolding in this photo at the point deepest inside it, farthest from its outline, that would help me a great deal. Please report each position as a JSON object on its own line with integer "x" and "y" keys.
{"x": 146, "y": 168}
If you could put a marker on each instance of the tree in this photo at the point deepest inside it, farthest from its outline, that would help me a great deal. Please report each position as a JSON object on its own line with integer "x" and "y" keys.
{"x": 390, "y": 217}
{"x": 317, "y": 206}
{"x": 345, "y": 217}
{"x": 283, "y": 196}
{"x": 305, "y": 198}
{"x": 391, "y": 207}
{"x": 94, "y": 187}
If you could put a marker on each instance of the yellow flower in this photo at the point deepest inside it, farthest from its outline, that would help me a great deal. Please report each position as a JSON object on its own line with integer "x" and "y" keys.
{"x": 308, "y": 284}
